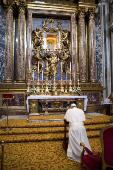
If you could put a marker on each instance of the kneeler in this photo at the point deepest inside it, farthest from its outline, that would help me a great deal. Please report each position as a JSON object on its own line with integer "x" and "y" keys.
{"x": 65, "y": 140}
{"x": 91, "y": 160}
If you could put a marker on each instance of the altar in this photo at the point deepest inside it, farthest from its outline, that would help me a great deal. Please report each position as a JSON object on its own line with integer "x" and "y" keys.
{"x": 57, "y": 103}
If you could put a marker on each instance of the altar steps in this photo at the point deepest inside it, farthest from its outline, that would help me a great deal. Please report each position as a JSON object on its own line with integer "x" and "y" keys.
{"x": 7, "y": 138}
{"x": 45, "y": 129}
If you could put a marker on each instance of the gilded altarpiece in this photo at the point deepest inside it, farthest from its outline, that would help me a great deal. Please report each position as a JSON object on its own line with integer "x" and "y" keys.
{"x": 55, "y": 51}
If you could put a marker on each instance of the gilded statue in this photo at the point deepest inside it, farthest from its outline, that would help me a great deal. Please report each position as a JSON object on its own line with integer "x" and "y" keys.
{"x": 65, "y": 39}
{"x": 36, "y": 57}
{"x": 41, "y": 51}
{"x": 52, "y": 61}
{"x": 37, "y": 38}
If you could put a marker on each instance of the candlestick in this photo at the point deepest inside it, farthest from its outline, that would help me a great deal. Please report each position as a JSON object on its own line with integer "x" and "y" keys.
{"x": 47, "y": 65}
{"x": 38, "y": 67}
{"x": 70, "y": 66}
{"x": 78, "y": 83}
{"x": 74, "y": 78}
{"x": 54, "y": 76}
{"x": 29, "y": 65}
{"x": 42, "y": 74}
{"x": 77, "y": 67}
{"x": 66, "y": 75}
{"x": 61, "y": 70}
{"x": 70, "y": 70}
{"x": 38, "y": 72}
{"x": 33, "y": 75}
{"x": 28, "y": 88}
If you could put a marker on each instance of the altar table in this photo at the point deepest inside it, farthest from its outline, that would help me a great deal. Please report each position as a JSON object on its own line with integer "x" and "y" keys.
{"x": 59, "y": 98}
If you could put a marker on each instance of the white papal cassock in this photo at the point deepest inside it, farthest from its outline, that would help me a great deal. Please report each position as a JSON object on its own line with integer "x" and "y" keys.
{"x": 77, "y": 133}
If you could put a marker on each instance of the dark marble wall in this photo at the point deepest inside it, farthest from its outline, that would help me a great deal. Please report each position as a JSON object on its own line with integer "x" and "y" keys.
{"x": 2, "y": 42}
{"x": 98, "y": 47}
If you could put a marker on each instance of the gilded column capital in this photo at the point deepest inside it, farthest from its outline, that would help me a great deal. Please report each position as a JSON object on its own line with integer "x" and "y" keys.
{"x": 15, "y": 4}
{"x": 92, "y": 10}
{"x": 75, "y": 12}
{"x": 91, "y": 14}
{"x": 21, "y": 10}
{"x": 11, "y": 2}
{"x": 22, "y": 4}
{"x": 81, "y": 9}
{"x": 9, "y": 10}
{"x": 81, "y": 15}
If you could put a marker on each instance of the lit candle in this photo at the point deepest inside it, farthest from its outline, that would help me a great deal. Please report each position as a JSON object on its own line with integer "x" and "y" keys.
{"x": 70, "y": 66}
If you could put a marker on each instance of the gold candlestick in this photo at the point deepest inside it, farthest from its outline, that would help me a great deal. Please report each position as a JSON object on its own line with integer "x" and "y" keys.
{"x": 62, "y": 88}
{"x": 70, "y": 86}
{"x": 78, "y": 84}
{"x": 54, "y": 85}
{"x": 38, "y": 88}
{"x": 61, "y": 70}
{"x": 42, "y": 75}
{"x": 66, "y": 83}
{"x": 70, "y": 71}
{"x": 29, "y": 65}
{"x": 46, "y": 88}
{"x": 28, "y": 88}
{"x": 33, "y": 75}
{"x": 70, "y": 66}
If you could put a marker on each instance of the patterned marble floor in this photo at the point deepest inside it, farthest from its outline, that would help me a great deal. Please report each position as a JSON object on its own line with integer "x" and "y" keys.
{"x": 40, "y": 156}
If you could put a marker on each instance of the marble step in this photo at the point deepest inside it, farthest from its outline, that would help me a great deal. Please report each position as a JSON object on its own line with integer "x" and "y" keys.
{"x": 40, "y": 137}
{"x": 52, "y": 120}
{"x": 39, "y": 130}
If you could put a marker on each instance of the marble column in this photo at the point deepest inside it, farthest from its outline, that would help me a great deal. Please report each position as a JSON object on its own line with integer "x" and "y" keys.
{"x": 92, "y": 47}
{"x": 29, "y": 40}
{"x": 8, "y": 75}
{"x": 82, "y": 48}
{"x": 74, "y": 46}
{"x": 21, "y": 47}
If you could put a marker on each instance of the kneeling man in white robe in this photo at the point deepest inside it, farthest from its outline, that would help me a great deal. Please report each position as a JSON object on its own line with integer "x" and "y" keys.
{"x": 77, "y": 132}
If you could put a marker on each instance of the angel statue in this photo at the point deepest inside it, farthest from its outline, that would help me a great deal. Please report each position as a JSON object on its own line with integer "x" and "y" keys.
{"x": 37, "y": 38}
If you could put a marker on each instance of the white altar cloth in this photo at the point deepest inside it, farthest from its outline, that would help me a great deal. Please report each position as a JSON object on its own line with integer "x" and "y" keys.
{"x": 49, "y": 97}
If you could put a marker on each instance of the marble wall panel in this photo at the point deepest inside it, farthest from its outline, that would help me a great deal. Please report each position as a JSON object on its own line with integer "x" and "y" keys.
{"x": 99, "y": 49}
{"x": 2, "y": 42}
